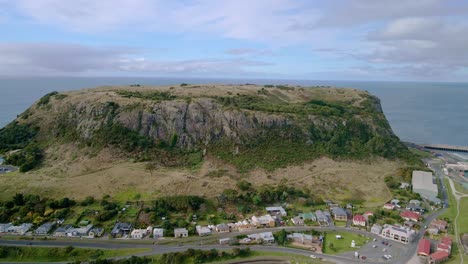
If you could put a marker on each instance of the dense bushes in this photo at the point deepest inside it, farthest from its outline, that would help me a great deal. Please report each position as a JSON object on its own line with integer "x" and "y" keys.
{"x": 176, "y": 204}
{"x": 16, "y": 136}
{"x": 153, "y": 95}
{"x": 46, "y": 98}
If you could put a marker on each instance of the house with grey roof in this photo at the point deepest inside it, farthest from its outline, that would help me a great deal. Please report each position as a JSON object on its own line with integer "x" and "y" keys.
{"x": 62, "y": 230}
{"x": 45, "y": 228}
{"x": 121, "y": 229}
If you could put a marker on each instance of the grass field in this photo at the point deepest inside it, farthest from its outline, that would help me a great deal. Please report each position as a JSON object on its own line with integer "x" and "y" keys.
{"x": 338, "y": 246}
{"x": 49, "y": 254}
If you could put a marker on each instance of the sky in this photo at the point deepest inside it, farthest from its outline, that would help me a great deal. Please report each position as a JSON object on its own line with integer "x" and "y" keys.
{"x": 417, "y": 40}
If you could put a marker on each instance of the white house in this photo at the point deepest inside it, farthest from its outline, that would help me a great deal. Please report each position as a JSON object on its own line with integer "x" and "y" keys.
{"x": 158, "y": 232}
{"x": 19, "y": 230}
{"x": 265, "y": 237}
{"x": 276, "y": 210}
{"x": 376, "y": 229}
{"x": 180, "y": 232}
{"x": 4, "y": 227}
{"x": 265, "y": 220}
{"x": 138, "y": 233}
{"x": 398, "y": 233}
{"x": 203, "y": 230}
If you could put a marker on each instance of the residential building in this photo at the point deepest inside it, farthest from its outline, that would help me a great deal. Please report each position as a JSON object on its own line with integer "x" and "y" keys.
{"x": 244, "y": 225}
{"x": 96, "y": 232}
{"x": 359, "y": 220}
{"x": 180, "y": 232}
{"x": 44, "y": 229}
{"x": 439, "y": 224}
{"x": 397, "y": 233}
{"x": 339, "y": 214}
{"x": 222, "y": 228}
{"x": 423, "y": 184}
{"x": 203, "y": 230}
{"x": 19, "y": 230}
{"x": 274, "y": 210}
{"x": 158, "y": 232}
{"x": 308, "y": 216}
{"x": 395, "y": 202}
{"x": 80, "y": 231}
{"x": 404, "y": 185}
{"x": 263, "y": 221}
{"x": 139, "y": 233}
{"x": 409, "y": 223}
{"x": 121, "y": 229}
{"x": 62, "y": 230}
{"x": 445, "y": 244}
{"x": 376, "y": 229}
{"x": 389, "y": 206}
{"x": 297, "y": 221}
{"x": 424, "y": 247}
{"x": 265, "y": 237}
{"x": 438, "y": 257}
{"x": 410, "y": 216}
{"x": 4, "y": 227}
{"x": 321, "y": 217}
{"x": 314, "y": 243}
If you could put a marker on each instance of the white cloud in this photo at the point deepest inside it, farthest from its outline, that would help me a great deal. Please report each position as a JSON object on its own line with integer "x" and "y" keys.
{"x": 62, "y": 59}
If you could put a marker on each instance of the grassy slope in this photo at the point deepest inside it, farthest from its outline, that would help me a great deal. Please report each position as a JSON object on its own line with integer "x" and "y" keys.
{"x": 48, "y": 254}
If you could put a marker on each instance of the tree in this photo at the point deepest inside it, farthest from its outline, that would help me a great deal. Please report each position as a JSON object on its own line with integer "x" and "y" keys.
{"x": 282, "y": 237}
{"x": 18, "y": 199}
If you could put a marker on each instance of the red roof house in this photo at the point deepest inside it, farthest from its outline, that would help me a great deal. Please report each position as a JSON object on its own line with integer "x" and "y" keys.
{"x": 389, "y": 206}
{"x": 445, "y": 245}
{"x": 424, "y": 247}
{"x": 359, "y": 220}
{"x": 410, "y": 215}
{"x": 438, "y": 257}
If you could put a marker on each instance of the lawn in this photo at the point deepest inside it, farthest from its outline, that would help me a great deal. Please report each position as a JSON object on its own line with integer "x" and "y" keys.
{"x": 459, "y": 188}
{"x": 338, "y": 246}
{"x": 49, "y": 254}
{"x": 463, "y": 217}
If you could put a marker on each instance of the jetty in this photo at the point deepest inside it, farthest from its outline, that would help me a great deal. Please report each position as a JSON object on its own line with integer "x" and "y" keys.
{"x": 445, "y": 147}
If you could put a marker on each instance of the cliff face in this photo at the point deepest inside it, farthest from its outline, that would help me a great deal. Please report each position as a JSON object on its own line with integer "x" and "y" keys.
{"x": 241, "y": 124}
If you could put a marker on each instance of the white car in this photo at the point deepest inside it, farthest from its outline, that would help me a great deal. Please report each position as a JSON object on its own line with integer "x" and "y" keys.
{"x": 313, "y": 256}
{"x": 374, "y": 246}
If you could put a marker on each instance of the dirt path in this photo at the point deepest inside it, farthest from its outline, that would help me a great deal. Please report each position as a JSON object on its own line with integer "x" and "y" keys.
{"x": 457, "y": 196}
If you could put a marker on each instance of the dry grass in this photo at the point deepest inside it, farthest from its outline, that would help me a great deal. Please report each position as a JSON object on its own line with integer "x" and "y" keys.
{"x": 78, "y": 175}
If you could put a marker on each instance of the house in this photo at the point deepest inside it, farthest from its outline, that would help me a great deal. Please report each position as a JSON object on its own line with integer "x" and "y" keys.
{"x": 44, "y": 229}
{"x": 96, "y": 232}
{"x": 389, "y": 206}
{"x": 424, "y": 247}
{"x": 139, "y": 233}
{"x": 308, "y": 216}
{"x": 265, "y": 237}
{"x": 4, "y": 227}
{"x": 445, "y": 244}
{"x": 439, "y": 224}
{"x": 415, "y": 208}
{"x": 339, "y": 214}
{"x": 376, "y": 229}
{"x": 180, "y": 232}
{"x": 203, "y": 230}
{"x": 359, "y": 220}
{"x": 263, "y": 221}
{"x": 244, "y": 225}
{"x": 367, "y": 214}
{"x": 80, "y": 231}
{"x": 222, "y": 228}
{"x": 297, "y": 221}
{"x": 121, "y": 229}
{"x": 19, "y": 230}
{"x": 62, "y": 230}
{"x": 410, "y": 216}
{"x": 315, "y": 243}
{"x": 397, "y": 233}
{"x": 158, "y": 232}
{"x": 276, "y": 210}
{"x": 438, "y": 257}
{"x": 321, "y": 217}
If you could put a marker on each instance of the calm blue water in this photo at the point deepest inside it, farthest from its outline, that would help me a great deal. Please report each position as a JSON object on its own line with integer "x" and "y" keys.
{"x": 435, "y": 113}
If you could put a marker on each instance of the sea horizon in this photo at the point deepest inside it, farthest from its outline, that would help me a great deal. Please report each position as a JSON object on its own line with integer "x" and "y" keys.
{"x": 420, "y": 112}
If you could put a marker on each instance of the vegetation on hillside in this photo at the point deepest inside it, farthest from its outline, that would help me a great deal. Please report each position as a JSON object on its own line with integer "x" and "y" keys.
{"x": 21, "y": 140}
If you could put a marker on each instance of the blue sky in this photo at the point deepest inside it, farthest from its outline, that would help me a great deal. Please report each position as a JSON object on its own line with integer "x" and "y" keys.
{"x": 292, "y": 39}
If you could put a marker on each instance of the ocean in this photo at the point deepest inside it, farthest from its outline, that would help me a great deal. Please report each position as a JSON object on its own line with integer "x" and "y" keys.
{"x": 419, "y": 112}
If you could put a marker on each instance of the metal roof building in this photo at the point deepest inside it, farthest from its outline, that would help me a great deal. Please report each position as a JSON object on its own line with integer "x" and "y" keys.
{"x": 424, "y": 185}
